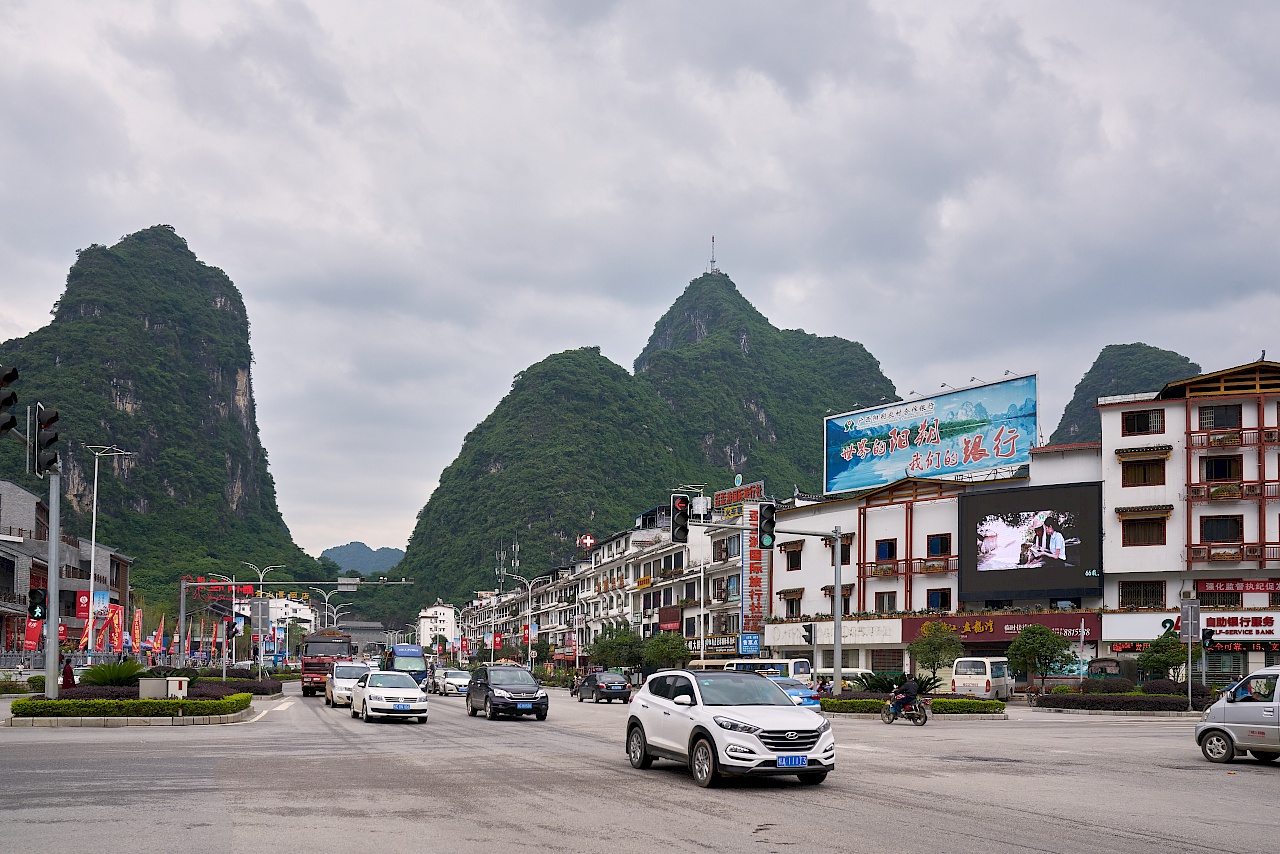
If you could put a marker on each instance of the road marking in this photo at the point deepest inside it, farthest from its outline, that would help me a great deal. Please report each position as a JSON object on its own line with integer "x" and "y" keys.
{"x": 259, "y": 716}
{"x": 280, "y": 708}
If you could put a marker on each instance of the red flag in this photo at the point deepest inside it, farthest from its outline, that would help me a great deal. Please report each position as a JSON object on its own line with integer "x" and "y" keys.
{"x": 157, "y": 640}
{"x": 137, "y": 630}
{"x": 84, "y": 635}
{"x": 187, "y": 644}
{"x": 115, "y": 627}
{"x": 202, "y": 647}
{"x": 32, "y": 640}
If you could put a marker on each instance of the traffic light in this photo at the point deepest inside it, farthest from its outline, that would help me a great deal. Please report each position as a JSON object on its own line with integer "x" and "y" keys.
{"x": 679, "y": 518}
{"x": 1206, "y": 637}
{"x": 808, "y": 633}
{"x": 233, "y": 629}
{"x": 36, "y": 607}
{"x": 764, "y": 525}
{"x": 46, "y": 438}
{"x": 8, "y": 398}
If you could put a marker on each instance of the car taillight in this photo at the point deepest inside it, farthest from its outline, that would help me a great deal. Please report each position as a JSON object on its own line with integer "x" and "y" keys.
{"x": 627, "y": 686}
{"x": 988, "y": 688}
{"x": 953, "y": 686}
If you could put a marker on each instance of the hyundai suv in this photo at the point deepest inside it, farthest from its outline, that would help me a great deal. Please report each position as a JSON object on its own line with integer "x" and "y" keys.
{"x": 727, "y": 723}
{"x": 505, "y": 690}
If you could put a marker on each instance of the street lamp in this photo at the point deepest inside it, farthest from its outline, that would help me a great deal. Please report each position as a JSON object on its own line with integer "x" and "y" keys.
{"x": 326, "y": 594}
{"x": 262, "y": 641}
{"x": 98, "y": 451}
{"x": 232, "y": 581}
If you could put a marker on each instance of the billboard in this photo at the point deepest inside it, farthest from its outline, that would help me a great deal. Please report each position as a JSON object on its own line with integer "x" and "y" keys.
{"x": 968, "y": 430}
{"x": 1032, "y": 542}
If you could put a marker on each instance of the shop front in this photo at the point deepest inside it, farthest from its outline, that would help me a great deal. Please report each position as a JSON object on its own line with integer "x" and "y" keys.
{"x": 991, "y": 634}
{"x": 1243, "y": 640}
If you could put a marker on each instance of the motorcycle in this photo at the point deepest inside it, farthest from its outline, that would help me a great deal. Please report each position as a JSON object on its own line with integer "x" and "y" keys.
{"x": 917, "y": 711}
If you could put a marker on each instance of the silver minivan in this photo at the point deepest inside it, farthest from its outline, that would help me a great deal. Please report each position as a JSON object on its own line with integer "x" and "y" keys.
{"x": 983, "y": 678}
{"x": 1246, "y": 717}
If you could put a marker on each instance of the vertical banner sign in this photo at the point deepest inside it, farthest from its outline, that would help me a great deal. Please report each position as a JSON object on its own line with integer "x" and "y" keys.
{"x": 137, "y": 627}
{"x": 82, "y": 605}
{"x": 115, "y": 625}
{"x": 84, "y": 636}
{"x": 62, "y": 632}
{"x": 101, "y": 599}
{"x": 157, "y": 640}
{"x": 202, "y": 649}
{"x": 755, "y": 580}
{"x": 32, "y": 639}
{"x": 497, "y": 640}
{"x": 524, "y": 639}
{"x": 466, "y": 645}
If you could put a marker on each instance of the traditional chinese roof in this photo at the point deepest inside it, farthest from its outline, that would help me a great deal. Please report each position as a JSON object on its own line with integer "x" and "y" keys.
{"x": 1145, "y": 510}
{"x": 790, "y": 593}
{"x": 1071, "y": 446}
{"x": 1259, "y": 377}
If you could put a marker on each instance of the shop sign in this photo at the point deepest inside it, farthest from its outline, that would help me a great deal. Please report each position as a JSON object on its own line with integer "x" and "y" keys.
{"x": 739, "y": 494}
{"x": 1238, "y": 585}
{"x": 1005, "y": 627}
{"x": 715, "y": 643}
{"x": 756, "y": 597}
{"x": 1233, "y": 626}
{"x": 749, "y": 643}
{"x": 670, "y": 617}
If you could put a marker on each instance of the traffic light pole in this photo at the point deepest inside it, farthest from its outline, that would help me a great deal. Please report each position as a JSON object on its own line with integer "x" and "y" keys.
{"x": 52, "y": 608}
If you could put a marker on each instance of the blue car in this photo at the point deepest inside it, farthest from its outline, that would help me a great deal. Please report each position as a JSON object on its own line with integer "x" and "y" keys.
{"x": 796, "y": 688}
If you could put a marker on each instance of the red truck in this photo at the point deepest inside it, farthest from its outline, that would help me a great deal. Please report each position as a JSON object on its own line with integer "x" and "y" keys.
{"x": 319, "y": 651}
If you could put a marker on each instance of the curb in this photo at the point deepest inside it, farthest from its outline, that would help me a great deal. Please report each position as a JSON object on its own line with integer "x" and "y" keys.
{"x": 1117, "y": 713}
{"x": 868, "y": 716}
{"x": 193, "y": 720}
{"x": 17, "y": 696}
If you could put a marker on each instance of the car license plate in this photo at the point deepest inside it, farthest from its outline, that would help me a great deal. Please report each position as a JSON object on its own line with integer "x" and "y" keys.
{"x": 793, "y": 761}
{"x": 524, "y": 706}
{"x": 401, "y": 707}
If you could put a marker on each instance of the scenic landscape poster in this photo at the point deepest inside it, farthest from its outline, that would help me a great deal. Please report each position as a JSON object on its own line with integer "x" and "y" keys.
{"x": 971, "y": 429}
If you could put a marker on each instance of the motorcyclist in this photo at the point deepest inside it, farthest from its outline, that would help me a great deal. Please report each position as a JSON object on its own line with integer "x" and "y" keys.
{"x": 905, "y": 694}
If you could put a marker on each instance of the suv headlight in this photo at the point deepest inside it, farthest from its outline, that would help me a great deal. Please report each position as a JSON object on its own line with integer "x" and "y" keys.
{"x": 734, "y": 726}
{"x": 498, "y": 692}
{"x": 542, "y": 695}
{"x": 824, "y": 726}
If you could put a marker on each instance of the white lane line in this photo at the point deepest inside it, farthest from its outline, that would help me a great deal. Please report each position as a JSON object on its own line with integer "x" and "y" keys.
{"x": 280, "y": 708}
{"x": 259, "y": 716}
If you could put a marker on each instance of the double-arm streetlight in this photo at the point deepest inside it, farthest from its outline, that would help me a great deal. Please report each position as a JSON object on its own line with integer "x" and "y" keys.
{"x": 503, "y": 574}
{"x": 98, "y": 451}
{"x": 262, "y": 640}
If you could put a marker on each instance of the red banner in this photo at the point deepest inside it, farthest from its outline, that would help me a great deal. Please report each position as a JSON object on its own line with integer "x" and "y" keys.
{"x": 62, "y": 633}
{"x": 466, "y": 646}
{"x": 115, "y": 627}
{"x": 82, "y": 605}
{"x": 32, "y": 640}
{"x": 977, "y": 628}
{"x": 524, "y": 639}
{"x": 137, "y": 629}
{"x": 497, "y": 640}
{"x": 670, "y": 617}
{"x": 84, "y": 636}
{"x": 1239, "y": 585}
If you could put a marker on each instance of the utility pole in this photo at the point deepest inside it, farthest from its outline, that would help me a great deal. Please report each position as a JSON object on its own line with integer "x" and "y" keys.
{"x": 55, "y": 569}
{"x": 837, "y": 611}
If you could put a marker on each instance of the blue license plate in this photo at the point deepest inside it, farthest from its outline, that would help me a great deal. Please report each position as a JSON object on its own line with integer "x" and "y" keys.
{"x": 401, "y": 707}
{"x": 524, "y": 706}
{"x": 793, "y": 761}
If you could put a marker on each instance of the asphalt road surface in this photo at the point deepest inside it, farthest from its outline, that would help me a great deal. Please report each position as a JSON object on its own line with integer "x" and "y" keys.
{"x": 304, "y": 777}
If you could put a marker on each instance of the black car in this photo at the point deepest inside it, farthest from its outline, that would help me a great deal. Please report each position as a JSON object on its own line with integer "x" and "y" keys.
{"x": 603, "y": 686}
{"x": 505, "y": 690}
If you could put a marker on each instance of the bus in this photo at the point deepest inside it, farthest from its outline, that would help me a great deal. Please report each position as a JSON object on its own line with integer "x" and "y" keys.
{"x": 798, "y": 668}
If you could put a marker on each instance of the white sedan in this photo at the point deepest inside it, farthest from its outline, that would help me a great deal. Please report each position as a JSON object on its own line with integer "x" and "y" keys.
{"x": 448, "y": 682}
{"x": 386, "y": 693}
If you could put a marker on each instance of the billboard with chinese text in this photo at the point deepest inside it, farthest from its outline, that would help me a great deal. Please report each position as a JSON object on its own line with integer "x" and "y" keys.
{"x": 968, "y": 430}
{"x": 1032, "y": 542}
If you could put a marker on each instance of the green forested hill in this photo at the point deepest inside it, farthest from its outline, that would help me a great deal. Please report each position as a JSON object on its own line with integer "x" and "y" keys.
{"x": 1119, "y": 369}
{"x": 581, "y": 446}
{"x": 149, "y": 350}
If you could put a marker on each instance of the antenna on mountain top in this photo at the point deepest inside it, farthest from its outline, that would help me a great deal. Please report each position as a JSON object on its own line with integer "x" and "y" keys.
{"x": 713, "y": 268}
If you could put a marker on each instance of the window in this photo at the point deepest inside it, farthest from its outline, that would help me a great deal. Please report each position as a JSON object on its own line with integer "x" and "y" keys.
{"x": 648, "y": 601}
{"x": 793, "y": 608}
{"x": 886, "y": 660}
{"x": 886, "y": 549}
{"x": 1222, "y": 417}
{"x": 1275, "y": 600}
{"x": 886, "y": 602}
{"x": 690, "y": 627}
{"x": 1143, "y": 422}
{"x": 793, "y": 559}
{"x": 1220, "y": 600}
{"x": 939, "y": 599}
{"x": 690, "y": 590}
{"x": 679, "y": 560}
{"x": 1222, "y": 468}
{"x": 1142, "y": 472}
{"x": 844, "y": 553}
{"x": 1222, "y": 529}
{"x": 1142, "y": 532}
{"x": 938, "y": 545}
{"x": 667, "y": 596}
{"x": 1142, "y": 594}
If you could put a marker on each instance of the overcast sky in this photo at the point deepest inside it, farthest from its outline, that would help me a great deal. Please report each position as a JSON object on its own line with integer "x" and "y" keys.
{"x": 418, "y": 200}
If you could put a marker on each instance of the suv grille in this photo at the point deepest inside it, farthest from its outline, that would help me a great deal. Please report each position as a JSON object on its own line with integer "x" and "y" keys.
{"x": 778, "y": 742}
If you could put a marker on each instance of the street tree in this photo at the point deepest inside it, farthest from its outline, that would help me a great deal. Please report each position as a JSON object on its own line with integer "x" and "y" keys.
{"x": 617, "y": 647}
{"x": 666, "y": 649}
{"x": 936, "y": 648}
{"x": 1039, "y": 650}
{"x": 1165, "y": 655}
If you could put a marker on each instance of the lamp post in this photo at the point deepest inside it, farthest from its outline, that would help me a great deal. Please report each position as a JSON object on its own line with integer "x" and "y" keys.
{"x": 98, "y": 451}
{"x": 262, "y": 640}
{"x": 529, "y": 587}
{"x": 233, "y": 619}
{"x": 337, "y": 612}
{"x": 326, "y": 594}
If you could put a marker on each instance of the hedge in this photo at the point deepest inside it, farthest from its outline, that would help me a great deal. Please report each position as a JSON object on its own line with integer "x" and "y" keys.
{"x": 8, "y": 687}
{"x": 941, "y": 706}
{"x": 1118, "y": 685}
{"x": 36, "y": 683}
{"x": 40, "y": 708}
{"x": 1121, "y": 702}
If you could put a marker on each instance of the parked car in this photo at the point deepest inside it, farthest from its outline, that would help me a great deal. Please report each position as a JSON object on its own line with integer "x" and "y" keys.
{"x": 385, "y": 693}
{"x": 1245, "y": 717}
{"x": 795, "y": 688}
{"x": 603, "y": 686}
{"x": 446, "y": 682}
{"x": 77, "y": 672}
{"x": 343, "y": 676}
{"x": 505, "y": 690}
{"x": 727, "y": 723}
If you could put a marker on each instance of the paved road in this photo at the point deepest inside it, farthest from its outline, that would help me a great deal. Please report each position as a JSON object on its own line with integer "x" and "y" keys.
{"x": 306, "y": 777}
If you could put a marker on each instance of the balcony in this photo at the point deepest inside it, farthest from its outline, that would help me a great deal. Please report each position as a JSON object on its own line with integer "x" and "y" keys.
{"x": 1235, "y": 552}
{"x": 883, "y": 568}
{"x": 1233, "y": 490}
{"x": 1233, "y": 438}
{"x": 935, "y": 564}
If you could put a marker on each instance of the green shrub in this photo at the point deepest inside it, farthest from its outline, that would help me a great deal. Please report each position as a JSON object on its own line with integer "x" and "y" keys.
{"x": 128, "y": 708}
{"x": 8, "y": 687}
{"x": 942, "y": 706}
{"x": 1118, "y": 685}
{"x": 113, "y": 673}
{"x": 36, "y": 683}
{"x": 1121, "y": 702}
{"x": 1063, "y": 689}
{"x": 867, "y": 707}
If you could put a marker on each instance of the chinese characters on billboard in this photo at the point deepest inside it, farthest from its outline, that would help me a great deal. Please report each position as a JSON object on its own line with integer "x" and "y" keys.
{"x": 755, "y": 600}
{"x": 1031, "y": 542}
{"x": 969, "y": 430}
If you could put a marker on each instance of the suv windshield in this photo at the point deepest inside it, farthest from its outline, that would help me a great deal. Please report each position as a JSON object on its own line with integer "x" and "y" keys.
{"x": 349, "y": 671}
{"x": 746, "y": 689}
{"x": 513, "y": 677}
{"x": 391, "y": 680}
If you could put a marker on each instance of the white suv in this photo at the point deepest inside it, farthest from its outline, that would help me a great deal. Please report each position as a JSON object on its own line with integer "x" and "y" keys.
{"x": 727, "y": 722}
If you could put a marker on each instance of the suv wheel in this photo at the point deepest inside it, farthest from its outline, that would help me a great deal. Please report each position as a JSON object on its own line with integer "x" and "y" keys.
{"x": 471, "y": 710}
{"x": 542, "y": 716}
{"x": 702, "y": 762}
{"x": 489, "y": 713}
{"x": 813, "y": 778}
{"x": 638, "y": 748}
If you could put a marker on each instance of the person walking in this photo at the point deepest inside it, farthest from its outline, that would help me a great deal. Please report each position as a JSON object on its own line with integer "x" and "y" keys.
{"x": 68, "y": 674}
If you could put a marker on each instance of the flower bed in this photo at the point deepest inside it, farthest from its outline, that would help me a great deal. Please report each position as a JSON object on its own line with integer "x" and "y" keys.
{"x": 9, "y": 687}
{"x": 941, "y": 706}
{"x": 1122, "y": 702}
{"x": 41, "y": 708}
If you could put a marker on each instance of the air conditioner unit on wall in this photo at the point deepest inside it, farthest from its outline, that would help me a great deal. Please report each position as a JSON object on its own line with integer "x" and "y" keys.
{"x": 1253, "y": 552}
{"x": 1271, "y": 435}
{"x": 1251, "y": 490}
{"x": 1188, "y": 594}
{"x": 1199, "y": 492}
{"x": 1199, "y": 552}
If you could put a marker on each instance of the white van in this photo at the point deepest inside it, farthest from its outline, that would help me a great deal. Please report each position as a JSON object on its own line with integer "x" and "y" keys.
{"x": 983, "y": 678}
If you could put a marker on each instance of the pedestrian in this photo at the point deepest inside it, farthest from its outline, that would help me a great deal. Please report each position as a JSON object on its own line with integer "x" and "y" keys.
{"x": 68, "y": 675}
